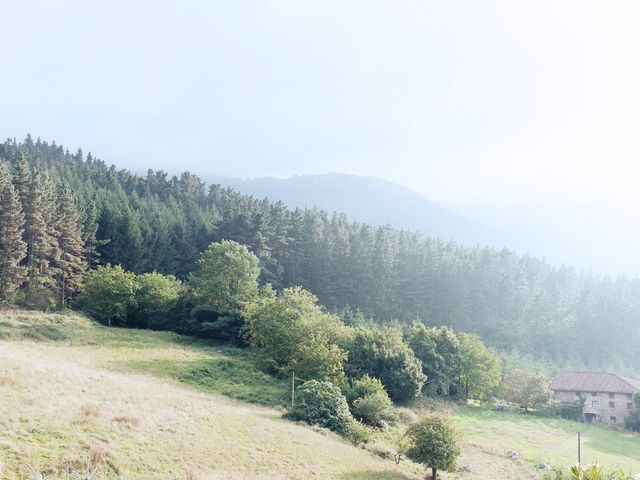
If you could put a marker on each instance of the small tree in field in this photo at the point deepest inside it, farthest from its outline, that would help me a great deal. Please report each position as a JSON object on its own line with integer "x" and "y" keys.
{"x": 527, "y": 389}
{"x": 432, "y": 442}
{"x": 108, "y": 293}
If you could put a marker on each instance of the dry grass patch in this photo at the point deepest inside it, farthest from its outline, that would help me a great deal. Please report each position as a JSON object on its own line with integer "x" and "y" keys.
{"x": 126, "y": 421}
{"x": 7, "y": 381}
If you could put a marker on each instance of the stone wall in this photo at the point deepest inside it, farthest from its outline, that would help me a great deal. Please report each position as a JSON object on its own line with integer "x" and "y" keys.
{"x": 609, "y": 408}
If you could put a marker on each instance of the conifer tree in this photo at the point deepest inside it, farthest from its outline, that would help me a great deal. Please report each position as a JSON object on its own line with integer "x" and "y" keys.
{"x": 12, "y": 248}
{"x": 69, "y": 264}
{"x": 42, "y": 246}
{"x": 89, "y": 234}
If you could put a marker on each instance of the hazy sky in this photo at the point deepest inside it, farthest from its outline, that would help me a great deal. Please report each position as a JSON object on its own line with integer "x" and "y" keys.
{"x": 512, "y": 105}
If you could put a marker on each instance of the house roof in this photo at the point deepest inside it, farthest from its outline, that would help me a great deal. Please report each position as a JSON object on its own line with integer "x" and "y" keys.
{"x": 595, "y": 382}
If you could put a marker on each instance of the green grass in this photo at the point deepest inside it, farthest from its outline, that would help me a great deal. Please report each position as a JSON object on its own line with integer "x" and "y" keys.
{"x": 208, "y": 366}
{"x": 147, "y": 405}
{"x": 71, "y": 389}
{"x": 549, "y": 440}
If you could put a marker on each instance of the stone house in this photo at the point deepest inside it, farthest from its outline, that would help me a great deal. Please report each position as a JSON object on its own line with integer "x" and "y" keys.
{"x": 605, "y": 397}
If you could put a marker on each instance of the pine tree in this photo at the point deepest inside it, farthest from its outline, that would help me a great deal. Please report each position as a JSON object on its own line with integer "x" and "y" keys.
{"x": 12, "y": 248}
{"x": 70, "y": 266}
{"x": 42, "y": 246}
{"x": 89, "y": 234}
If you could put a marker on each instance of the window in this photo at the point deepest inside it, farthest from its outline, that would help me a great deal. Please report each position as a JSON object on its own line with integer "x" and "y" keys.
{"x": 611, "y": 395}
{"x": 629, "y": 405}
{"x": 612, "y": 404}
{"x": 612, "y": 419}
{"x": 594, "y": 403}
{"x": 594, "y": 394}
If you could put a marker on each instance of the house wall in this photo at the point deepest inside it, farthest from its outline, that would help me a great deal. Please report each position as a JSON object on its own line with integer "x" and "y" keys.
{"x": 600, "y": 405}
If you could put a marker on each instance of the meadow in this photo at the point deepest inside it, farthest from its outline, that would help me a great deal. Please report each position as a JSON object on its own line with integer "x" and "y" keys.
{"x": 156, "y": 405}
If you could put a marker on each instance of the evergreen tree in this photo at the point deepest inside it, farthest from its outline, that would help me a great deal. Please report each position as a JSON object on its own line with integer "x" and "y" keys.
{"x": 69, "y": 264}
{"x": 42, "y": 245}
{"x": 12, "y": 247}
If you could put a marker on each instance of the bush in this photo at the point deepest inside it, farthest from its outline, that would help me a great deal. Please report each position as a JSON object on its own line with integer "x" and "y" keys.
{"x": 381, "y": 352}
{"x": 322, "y": 403}
{"x": 369, "y": 401}
{"x": 358, "y": 434}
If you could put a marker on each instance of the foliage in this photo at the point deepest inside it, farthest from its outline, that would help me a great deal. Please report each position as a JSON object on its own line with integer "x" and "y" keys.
{"x": 438, "y": 349}
{"x": 109, "y": 293}
{"x": 156, "y": 298}
{"x": 226, "y": 277}
{"x": 294, "y": 333}
{"x": 158, "y": 222}
{"x": 381, "y": 352}
{"x": 526, "y": 389}
{"x": 321, "y": 403}
{"x": 432, "y": 442}
{"x": 369, "y": 402}
{"x": 632, "y": 421}
{"x": 206, "y": 323}
{"x": 479, "y": 372}
{"x": 593, "y": 472}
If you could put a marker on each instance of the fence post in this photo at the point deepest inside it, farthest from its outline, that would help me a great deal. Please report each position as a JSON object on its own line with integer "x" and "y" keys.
{"x": 293, "y": 389}
{"x": 578, "y": 447}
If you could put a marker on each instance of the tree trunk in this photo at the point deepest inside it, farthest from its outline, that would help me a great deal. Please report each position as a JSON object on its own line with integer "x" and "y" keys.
{"x": 433, "y": 474}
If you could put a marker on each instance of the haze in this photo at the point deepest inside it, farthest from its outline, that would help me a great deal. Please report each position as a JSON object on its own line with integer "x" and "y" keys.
{"x": 523, "y": 115}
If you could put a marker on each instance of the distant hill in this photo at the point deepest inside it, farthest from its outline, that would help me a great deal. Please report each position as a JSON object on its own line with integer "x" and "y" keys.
{"x": 365, "y": 199}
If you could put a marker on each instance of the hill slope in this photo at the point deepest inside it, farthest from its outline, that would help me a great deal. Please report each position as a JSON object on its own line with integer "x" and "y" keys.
{"x": 74, "y": 401}
{"x": 73, "y": 392}
{"x": 365, "y": 199}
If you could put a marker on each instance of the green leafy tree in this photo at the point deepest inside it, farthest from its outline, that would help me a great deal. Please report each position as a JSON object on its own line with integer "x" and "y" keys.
{"x": 431, "y": 441}
{"x": 527, "y": 389}
{"x": 479, "y": 370}
{"x": 294, "y": 333}
{"x": 156, "y": 297}
{"x": 381, "y": 352}
{"x": 439, "y": 352}
{"x": 109, "y": 293}
{"x": 226, "y": 277}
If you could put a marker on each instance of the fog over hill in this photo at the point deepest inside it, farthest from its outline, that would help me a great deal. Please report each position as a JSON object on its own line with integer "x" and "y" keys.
{"x": 589, "y": 238}
{"x": 364, "y": 199}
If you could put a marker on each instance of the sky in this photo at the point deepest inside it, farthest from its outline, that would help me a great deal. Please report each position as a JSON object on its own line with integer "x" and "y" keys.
{"x": 515, "y": 112}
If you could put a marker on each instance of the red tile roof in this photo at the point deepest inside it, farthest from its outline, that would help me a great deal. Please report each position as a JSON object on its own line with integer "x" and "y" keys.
{"x": 595, "y": 382}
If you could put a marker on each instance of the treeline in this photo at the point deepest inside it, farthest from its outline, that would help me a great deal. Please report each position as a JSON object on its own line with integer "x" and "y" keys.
{"x": 515, "y": 303}
{"x": 46, "y": 241}
{"x": 222, "y": 299}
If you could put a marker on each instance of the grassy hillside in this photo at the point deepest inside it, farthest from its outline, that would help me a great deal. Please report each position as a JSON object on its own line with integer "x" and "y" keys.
{"x": 151, "y": 405}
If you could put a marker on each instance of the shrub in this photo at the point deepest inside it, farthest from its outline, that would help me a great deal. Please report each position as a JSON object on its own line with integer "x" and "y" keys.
{"x": 369, "y": 401}
{"x": 322, "y": 403}
{"x": 357, "y": 433}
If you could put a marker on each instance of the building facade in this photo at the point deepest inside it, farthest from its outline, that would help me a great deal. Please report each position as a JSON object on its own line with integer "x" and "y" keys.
{"x": 605, "y": 397}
